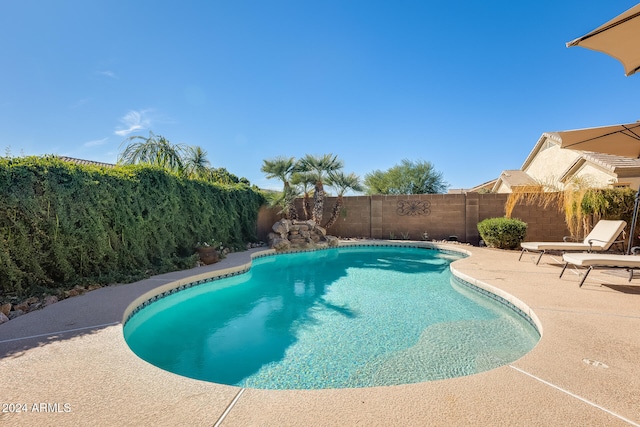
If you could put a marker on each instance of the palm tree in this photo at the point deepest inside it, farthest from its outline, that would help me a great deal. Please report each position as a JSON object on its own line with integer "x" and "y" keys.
{"x": 153, "y": 150}
{"x": 306, "y": 181}
{"x": 195, "y": 163}
{"x": 342, "y": 183}
{"x": 281, "y": 168}
{"x": 318, "y": 167}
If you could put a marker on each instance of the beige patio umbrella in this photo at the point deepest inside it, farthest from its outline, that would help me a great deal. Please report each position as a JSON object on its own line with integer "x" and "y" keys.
{"x": 620, "y": 140}
{"x": 618, "y": 38}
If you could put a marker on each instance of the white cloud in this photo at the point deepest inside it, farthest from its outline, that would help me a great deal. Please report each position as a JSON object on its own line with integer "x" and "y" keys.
{"x": 108, "y": 73}
{"x": 134, "y": 121}
{"x": 95, "y": 142}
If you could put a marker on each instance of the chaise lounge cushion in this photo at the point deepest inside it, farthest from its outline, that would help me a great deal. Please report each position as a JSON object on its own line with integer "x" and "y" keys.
{"x": 602, "y": 260}
{"x": 592, "y": 260}
{"x": 601, "y": 238}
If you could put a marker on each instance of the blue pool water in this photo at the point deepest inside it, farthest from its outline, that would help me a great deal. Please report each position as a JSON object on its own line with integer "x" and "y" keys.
{"x": 336, "y": 318}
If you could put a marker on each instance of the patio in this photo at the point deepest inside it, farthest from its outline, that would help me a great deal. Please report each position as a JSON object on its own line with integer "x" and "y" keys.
{"x": 71, "y": 357}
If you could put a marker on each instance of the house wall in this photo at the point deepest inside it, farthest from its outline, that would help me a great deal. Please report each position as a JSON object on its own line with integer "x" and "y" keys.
{"x": 595, "y": 176}
{"x": 440, "y": 215}
{"x": 503, "y": 188}
{"x": 634, "y": 182}
{"x": 549, "y": 164}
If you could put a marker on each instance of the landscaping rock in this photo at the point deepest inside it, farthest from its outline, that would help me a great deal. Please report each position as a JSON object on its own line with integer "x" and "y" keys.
{"x": 50, "y": 299}
{"x": 281, "y": 244}
{"x": 15, "y": 313}
{"x": 332, "y": 241}
{"x": 281, "y": 227}
{"x": 23, "y": 306}
{"x": 71, "y": 293}
{"x": 3, "y": 318}
{"x": 299, "y": 235}
{"x": 5, "y": 308}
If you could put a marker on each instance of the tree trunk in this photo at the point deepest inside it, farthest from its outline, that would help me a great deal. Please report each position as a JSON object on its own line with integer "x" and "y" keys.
{"x": 318, "y": 203}
{"x": 290, "y": 208}
{"x": 335, "y": 212}
{"x": 306, "y": 206}
{"x": 292, "y": 213}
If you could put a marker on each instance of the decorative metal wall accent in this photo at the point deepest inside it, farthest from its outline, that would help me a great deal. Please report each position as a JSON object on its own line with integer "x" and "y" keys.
{"x": 413, "y": 207}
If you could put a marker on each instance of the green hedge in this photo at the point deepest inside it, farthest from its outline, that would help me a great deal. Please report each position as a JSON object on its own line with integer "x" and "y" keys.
{"x": 63, "y": 224}
{"x": 502, "y": 233}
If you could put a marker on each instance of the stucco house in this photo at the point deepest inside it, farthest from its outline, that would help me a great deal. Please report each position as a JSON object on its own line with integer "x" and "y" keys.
{"x": 555, "y": 167}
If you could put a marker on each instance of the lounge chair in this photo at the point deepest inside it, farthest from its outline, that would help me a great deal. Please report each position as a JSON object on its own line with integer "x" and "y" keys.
{"x": 600, "y": 239}
{"x": 592, "y": 260}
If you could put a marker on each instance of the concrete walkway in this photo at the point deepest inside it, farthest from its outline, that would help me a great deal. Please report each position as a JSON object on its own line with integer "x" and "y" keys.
{"x": 68, "y": 364}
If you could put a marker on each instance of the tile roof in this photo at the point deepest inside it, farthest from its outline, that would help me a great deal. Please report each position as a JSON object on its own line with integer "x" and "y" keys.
{"x": 612, "y": 162}
{"x": 85, "y": 162}
{"x": 515, "y": 178}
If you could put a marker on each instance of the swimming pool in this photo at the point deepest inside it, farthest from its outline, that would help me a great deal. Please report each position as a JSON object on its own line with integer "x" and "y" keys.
{"x": 336, "y": 318}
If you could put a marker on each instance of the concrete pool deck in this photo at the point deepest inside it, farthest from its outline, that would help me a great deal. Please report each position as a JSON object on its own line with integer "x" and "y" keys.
{"x": 68, "y": 364}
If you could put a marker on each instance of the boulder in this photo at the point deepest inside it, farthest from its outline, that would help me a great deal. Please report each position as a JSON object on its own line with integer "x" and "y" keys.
{"x": 3, "y": 318}
{"x": 15, "y": 313}
{"x": 5, "y": 308}
{"x": 280, "y": 244}
{"x": 299, "y": 235}
{"x": 71, "y": 293}
{"x": 320, "y": 230}
{"x": 23, "y": 306}
{"x": 332, "y": 241}
{"x": 281, "y": 227}
{"x": 50, "y": 299}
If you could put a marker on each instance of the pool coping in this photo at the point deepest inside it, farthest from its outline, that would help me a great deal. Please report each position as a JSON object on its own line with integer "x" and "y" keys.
{"x": 583, "y": 371}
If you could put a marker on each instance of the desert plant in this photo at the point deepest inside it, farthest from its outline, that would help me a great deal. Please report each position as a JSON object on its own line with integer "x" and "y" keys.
{"x": 154, "y": 150}
{"x": 342, "y": 182}
{"x": 282, "y": 168}
{"x": 408, "y": 177}
{"x": 502, "y": 233}
{"x": 319, "y": 167}
{"x": 567, "y": 200}
{"x": 306, "y": 182}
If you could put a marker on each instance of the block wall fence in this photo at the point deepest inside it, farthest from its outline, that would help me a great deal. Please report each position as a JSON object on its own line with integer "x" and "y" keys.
{"x": 440, "y": 215}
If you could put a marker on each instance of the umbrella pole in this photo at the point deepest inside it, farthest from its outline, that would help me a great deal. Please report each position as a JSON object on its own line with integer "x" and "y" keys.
{"x": 634, "y": 219}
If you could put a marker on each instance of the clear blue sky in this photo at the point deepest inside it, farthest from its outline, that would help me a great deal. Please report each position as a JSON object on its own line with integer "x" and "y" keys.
{"x": 469, "y": 86}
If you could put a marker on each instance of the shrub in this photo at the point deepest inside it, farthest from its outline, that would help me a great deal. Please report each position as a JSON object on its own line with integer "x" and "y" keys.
{"x": 63, "y": 224}
{"x": 502, "y": 233}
